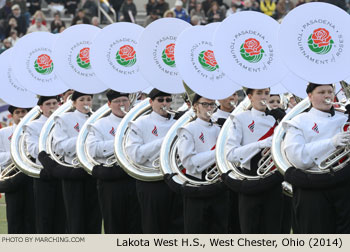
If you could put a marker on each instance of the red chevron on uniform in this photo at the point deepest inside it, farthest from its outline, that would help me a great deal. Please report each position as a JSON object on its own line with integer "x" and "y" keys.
{"x": 201, "y": 137}
{"x": 251, "y": 126}
{"x": 315, "y": 128}
{"x": 76, "y": 127}
{"x": 155, "y": 131}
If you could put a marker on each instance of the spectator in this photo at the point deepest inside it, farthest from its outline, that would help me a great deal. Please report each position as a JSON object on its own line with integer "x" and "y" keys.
{"x": 33, "y": 6}
{"x": 199, "y": 12}
{"x": 24, "y": 10}
{"x": 38, "y": 26}
{"x": 152, "y": 17}
{"x": 13, "y": 37}
{"x": 268, "y": 7}
{"x": 80, "y": 18}
{"x": 21, "y": 21}
{"x": 181, "y": 12}
{"x": 39, "y": 14}
{"x": 206, "y": 4}
{"x": 95, "y": 22}
{"x": 215, "y": 14}
{"x": 71, "y": 6}
{"x": 251, "y": 5}
{"x": 116, "y": 4}
{"x": 128, "y": 11}
{"x": 169, "y": 13}
{"x": 57, "y": 23}
{"x": 238, "y": 3}
{"x": 162, "y": 7}
{"x": 195, "y": 20}
{"x": 5, "y": 11}
{"x": 150, "y": 6}
{"x": 283, "y": 7}
{"x": 56, "y": 5}
{"x": 192, "y": 5}
{"x": 90, "y": 8}
{"x": 6, "y": 45}
{"x": 12, "y": 25}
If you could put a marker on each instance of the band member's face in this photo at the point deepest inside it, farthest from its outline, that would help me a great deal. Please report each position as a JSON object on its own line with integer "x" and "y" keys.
{"x": 274, "y": 102}
{"x": 160, "y": 102}
{"x": 203, "y": 106}
{"x": 228, "y": 103}
{"x": 257, "y": 96}
{"x": 66, "y": 94}
{"x": 18, "y": 114}
{"x": 49, "y": 107}
{"x": 292, "y": 102}
{"x": 116, "y": 103}
{"x": 319, "y": 96}
{"x": 83, "y": 104}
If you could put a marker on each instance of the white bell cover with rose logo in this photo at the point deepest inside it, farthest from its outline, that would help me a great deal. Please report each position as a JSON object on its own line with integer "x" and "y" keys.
{"x": 197, "y": 66}
{"x": 156, "y": 54}
{"x": 114, "y": 59}
{"x": 72, "y": 54}
{"x": 12, "y": 92}
{"x": 314, "y": 40}
{"x": 32, "y": 63}
{"x": 245, "y": 46}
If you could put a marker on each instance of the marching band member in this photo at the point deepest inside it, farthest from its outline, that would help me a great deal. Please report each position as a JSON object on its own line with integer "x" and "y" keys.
{"x": 227, "y": 105}
{"x": 49, "y": 208}
{"x": 274, "y": 101}
{"x": 251, "y": 132}
{"x": 310, "y": 138}
{"x": 18, "y": 190}
{"x": 79, "y": 189}
{"x": 196, "y": 148}
{"x": 159, "y": 206}
{"x": 117, "y": 191}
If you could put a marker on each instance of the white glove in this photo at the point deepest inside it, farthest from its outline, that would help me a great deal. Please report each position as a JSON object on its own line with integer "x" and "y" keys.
{"x": 341, "y": 139}
{"x": 266, "y": 143}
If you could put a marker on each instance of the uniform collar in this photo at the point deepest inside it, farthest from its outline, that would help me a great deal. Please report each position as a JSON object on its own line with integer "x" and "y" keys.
{"x": 319, "y": 113}
{"x": 257, "y": 112}
{"x": 223, "y": 113}
{"x": 158, "y": 117}
{"x": 42, "y": 118}
{"x": 115, "y": 118}
{"x": 81, "y": 115}
{"x": 203, "y": 123}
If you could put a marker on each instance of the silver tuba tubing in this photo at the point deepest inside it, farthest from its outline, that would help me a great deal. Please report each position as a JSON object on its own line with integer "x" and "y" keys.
{"x": 169, "y": 162}
{"x": 278, "y": 155}
{"x": 136, "y": 171}
{"x": 45, "y": 139}
{"x": 18, "y": 150}
{"x": 82, "y": 152}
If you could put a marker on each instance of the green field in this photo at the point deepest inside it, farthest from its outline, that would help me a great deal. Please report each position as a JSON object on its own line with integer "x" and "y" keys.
{"x": 3, "y": 223}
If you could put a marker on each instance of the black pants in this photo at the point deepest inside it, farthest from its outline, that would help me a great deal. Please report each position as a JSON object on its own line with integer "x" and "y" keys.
{"x": 287, "y": 215}
{"x": 161, "y": 209}
{"x": 119, "y": 206}
{"x": 20, "y": 211}
{"x": 233, "y": 214}
{"x": 207, "y": 215}
{"x": 49, "y": 207}
{"x": 324, "y": 211}
{"x": 261, "y": 213}
{"x": 82, "y": 207}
